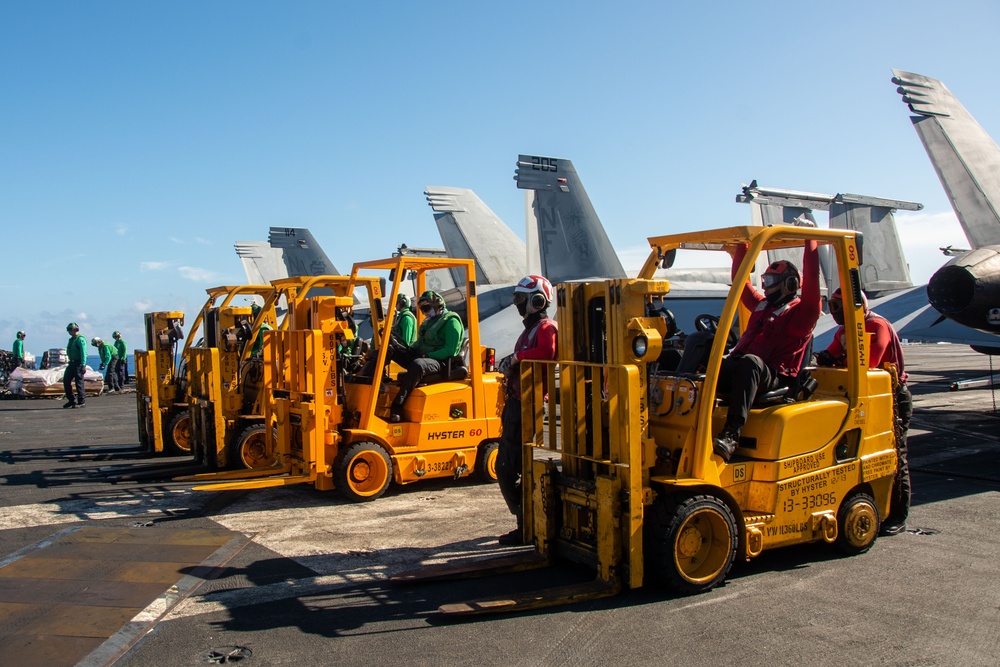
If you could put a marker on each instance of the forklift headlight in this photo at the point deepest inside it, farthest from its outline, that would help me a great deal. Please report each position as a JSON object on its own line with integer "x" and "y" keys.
{"x": 639, "y": 346}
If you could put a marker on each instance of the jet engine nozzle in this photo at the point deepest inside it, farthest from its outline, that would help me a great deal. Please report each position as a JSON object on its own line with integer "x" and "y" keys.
{"x": 967, "y": 289}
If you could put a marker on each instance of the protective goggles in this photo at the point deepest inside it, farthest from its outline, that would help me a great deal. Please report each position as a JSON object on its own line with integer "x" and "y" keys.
{"x": 836, "y": 305}
{"x": 769, "y": 280}
{"x": 426, "y": 307}
{"x": 519, "y": 298}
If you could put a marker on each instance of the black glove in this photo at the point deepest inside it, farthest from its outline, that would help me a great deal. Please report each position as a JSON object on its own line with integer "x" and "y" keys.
{"x": 505, "y": 364}
{"x": 101, "y": 368}
{"x": 824, "y": 358}
{"x": 395, "y": 344}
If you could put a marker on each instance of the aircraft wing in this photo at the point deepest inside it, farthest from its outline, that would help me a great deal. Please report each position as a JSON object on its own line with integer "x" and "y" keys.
{"x": 965, "y": 157}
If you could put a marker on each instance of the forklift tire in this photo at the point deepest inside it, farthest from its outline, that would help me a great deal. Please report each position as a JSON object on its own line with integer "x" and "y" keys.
{"x": 857, "y": 524}
{"x": 691, "y": 543}
{"x": 486, "y": 461}
{"x": 253, "y": 451}
{"x": 179, "y": 432}
{"x": 363, "y": 472}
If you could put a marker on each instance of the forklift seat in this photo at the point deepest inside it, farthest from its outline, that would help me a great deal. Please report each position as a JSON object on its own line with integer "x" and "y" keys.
{"x": 800, "y": 388}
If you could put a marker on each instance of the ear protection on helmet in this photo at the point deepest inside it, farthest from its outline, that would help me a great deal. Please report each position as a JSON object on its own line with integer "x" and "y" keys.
{"x": 792, "y": 283}
{"x": 538, "y": 301}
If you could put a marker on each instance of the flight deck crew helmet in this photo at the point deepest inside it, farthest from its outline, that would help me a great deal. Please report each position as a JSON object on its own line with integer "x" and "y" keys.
{"x": 430, "y": 301}
{"x": 116, "y": 335}
{"x": 836, "y": 305}
{"x": 402, "y": 302}
{"x": 780, "y": 281}
{"x": 96, "y": 341}
{"x": 72, "y": 327}
{"x": 20, "y": 335}
{"x": 532, "y": 294}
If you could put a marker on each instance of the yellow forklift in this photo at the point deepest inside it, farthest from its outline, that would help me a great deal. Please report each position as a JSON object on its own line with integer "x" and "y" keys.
{"x": 631, "y": 486}
{"x": 164, "y": 378}
{"x": 231, "y": 382}
{"x": 225, "y": 417}
{"x": 332, "y": 414}
{"x": 159, "y": 379}
{"x": 161, "y": 372}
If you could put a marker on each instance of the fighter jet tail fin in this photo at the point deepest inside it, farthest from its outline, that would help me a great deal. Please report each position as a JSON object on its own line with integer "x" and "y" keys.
{"x": 470, "y": 229}
{"x": 571, "y": 241}
{"x": 884, "y": 268}
{"x": 302, "y": 255}
{"x": 261, "y": 262}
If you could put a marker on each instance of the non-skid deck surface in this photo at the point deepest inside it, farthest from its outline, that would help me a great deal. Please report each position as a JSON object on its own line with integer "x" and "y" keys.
{"x": 61, "y": 601}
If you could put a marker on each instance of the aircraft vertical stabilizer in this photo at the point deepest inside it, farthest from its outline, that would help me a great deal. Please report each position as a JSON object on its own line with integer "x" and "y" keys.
{"x": 778, "y": 214}
{"x": 469, "y": 229}
{"x": 302, "y": 256}
{"x": 965, "y": 157}
{"x": 885, "y": 267}
{"x": 531, "y": 234}
{"x": 261, "y": 262}
{"x": 572, "y": 242}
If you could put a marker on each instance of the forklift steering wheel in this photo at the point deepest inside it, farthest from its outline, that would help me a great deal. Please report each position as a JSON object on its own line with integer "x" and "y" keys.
{"x": 710, "y": 324}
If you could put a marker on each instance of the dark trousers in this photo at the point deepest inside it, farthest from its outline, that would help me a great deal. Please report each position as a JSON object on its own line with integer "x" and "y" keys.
{"x": 417, "y": 366}
{"x": 122, "y": 372}
{"x": 741, "y": 378}
{"x": 111, "y": 376}
{"x": 899, "y": 505}
{"x": 509, "y": 457}
{"x": 74, "y": 372}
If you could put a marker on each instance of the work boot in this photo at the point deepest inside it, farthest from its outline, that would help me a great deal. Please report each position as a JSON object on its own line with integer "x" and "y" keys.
{"x": 81, "y": 404}
{"x": 71, "y": 404}
{"x": 727, "y": 441}
{"x": 396, "y": 412}
{"x": 888, "y": 530}
{"x": 513, "y": 538}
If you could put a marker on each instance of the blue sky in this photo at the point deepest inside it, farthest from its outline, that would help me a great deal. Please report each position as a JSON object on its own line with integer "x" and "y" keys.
{"x": 138, "y": 141}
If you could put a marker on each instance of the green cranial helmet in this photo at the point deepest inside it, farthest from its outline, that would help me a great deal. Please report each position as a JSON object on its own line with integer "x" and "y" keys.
{"x": 433, "y": 298}
{"x": 72, "y": 326}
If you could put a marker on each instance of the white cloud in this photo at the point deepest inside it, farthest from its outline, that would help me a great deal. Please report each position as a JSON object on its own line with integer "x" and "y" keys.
{"x": 153, "y": 266}
{"x": 81, "y": 317}
{"x": 142, "y": 306}
{"x": 121, "y": 230}
{"x": 176, "y": 240}
{"x": 202, "y": 240}
{"x": 198, "y": 275}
